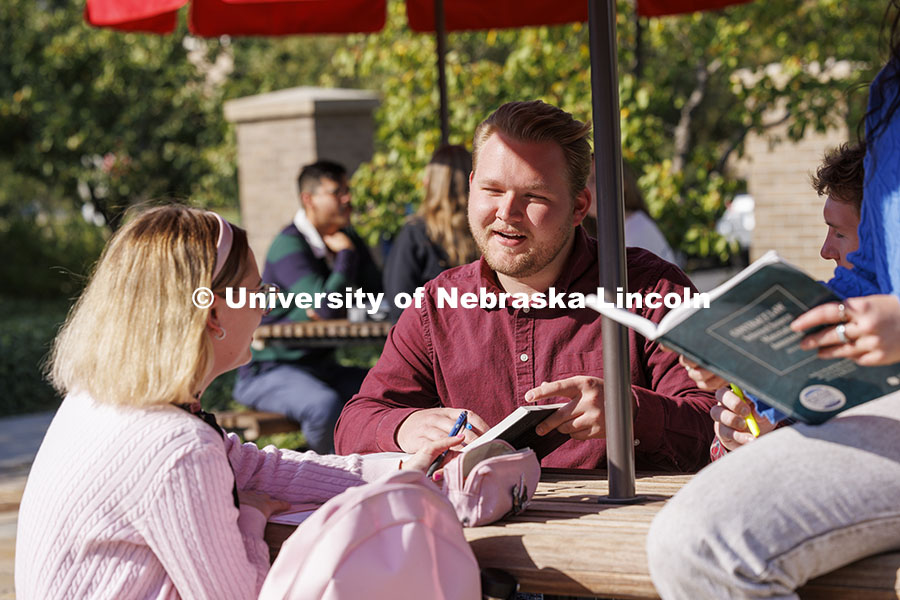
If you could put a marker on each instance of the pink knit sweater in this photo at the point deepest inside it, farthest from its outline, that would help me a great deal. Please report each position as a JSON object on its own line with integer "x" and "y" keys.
{"x": 137, "y": 503}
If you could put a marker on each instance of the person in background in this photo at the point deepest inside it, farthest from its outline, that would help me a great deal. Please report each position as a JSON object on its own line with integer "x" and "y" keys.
{"x": 805, "y": 500}
{"x": 840, "y": 180}
{"x": 438, "y": 236}
{"x": 317, "y": 253}
{"x": 641, "y": 231}
{"x": 135, "y": 492}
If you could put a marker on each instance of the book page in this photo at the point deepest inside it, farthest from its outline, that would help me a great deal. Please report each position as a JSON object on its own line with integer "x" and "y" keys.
{"x": 295, "y": 515}
{"x": 674, "y": 317}
{"x": 645, "y": 327}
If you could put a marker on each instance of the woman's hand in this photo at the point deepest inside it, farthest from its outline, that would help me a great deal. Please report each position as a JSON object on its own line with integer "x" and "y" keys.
{"x": 421, "y": 460}
{"x": 866, "y": 330}
{"x": 730, "y": 420}
{"x": 262, "y": 502}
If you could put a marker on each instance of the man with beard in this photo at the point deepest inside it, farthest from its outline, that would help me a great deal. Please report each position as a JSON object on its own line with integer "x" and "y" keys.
{"x": 526, "y": 202}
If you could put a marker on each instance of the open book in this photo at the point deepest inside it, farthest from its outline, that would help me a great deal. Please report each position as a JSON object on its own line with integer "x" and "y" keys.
{"x": 295, "y": 515}
{"x": 518, "y": 429}
{"x": 745, "y": 337}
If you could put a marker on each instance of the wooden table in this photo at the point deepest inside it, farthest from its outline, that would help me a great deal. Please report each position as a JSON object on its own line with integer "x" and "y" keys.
{"x": 568, "y": 543}
{"x": 321, "y": 334}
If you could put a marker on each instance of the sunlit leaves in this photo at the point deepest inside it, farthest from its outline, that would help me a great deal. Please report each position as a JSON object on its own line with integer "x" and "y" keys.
{"x": 130, "y": 116}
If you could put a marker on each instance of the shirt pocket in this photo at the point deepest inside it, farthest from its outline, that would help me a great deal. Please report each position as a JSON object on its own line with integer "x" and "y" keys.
{"x": 580, "y": 363}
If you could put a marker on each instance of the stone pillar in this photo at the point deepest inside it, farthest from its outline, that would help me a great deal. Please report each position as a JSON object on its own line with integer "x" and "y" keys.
{"x": 278, "y": 133}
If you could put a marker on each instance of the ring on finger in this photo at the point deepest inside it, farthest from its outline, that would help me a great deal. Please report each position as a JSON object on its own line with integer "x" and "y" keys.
{"x": 842, "y": 312}
{"x": 841, "y": 331}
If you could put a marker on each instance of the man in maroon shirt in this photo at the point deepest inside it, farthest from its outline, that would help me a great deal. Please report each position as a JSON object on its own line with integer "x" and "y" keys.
{"x": 527, "y": 198}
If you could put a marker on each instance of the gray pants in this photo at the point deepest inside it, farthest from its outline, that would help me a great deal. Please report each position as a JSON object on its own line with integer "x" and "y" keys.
{"x": 795, "y": 504}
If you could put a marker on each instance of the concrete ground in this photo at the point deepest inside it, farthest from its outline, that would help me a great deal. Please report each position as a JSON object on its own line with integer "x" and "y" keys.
{"x": 20, "y": 438}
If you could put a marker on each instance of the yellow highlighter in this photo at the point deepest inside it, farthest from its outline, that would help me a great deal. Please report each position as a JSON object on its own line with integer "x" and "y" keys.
{"x": 752, "y": 425}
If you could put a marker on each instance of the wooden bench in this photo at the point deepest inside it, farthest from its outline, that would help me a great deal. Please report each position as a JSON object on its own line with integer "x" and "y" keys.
{"x": 250, "y": 424}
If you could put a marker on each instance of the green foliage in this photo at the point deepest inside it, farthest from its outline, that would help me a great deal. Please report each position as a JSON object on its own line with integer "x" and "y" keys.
{"x": 26, "y": 330}
{"x": 113, "y": 119}
{"x": 705, "y": 81}
{"x": 217, "y": 396}
{"x": 708, "y": 79}
{"x": 362, "y": 355}
{"x": 110, "y": 118}
{"x": 53, "y": 256}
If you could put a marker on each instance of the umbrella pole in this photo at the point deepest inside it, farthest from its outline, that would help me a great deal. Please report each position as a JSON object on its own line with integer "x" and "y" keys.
{"x": 610, "y": 233}
{"x": 440, "y": 34}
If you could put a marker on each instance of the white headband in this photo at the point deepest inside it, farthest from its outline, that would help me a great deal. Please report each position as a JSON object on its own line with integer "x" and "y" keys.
{"x": 223, "y": 244}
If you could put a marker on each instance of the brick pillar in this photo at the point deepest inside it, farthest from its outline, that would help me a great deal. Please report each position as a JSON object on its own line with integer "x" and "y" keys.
{"x": 278, "y": 133}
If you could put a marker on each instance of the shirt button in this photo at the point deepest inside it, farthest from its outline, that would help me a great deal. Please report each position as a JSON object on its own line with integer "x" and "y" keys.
{"x": 523, "y": 357}
{"x": 637, "y": 442}
{"x": 526, "y": 309}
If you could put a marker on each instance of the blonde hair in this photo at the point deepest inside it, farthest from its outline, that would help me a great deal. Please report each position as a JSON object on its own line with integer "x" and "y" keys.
{"x": 444, "y": 207}
{"x": 134, "y": 337}
{"x": 537, "y": 121}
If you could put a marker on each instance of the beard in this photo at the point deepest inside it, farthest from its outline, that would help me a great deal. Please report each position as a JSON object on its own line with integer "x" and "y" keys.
{"x": 517, "y": 263}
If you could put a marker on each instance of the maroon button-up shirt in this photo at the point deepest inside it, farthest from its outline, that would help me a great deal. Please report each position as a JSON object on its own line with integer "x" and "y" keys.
{"x": 485, "y": 360}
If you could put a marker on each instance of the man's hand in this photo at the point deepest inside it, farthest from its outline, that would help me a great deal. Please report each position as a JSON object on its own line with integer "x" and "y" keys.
{"x": 338, "y": 241}
{"x": 432, "y": 424}
{"x": 703, "y": 378}
{"x": 583, "y": 417}
{"x": 730, "y": 426}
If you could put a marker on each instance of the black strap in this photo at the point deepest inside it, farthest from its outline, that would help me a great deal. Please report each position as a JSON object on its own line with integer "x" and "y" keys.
{"x": 210, "y": 419}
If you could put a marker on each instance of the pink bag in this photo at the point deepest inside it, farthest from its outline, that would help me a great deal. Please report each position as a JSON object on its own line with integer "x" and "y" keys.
{"x": 394, "y": 538}
{"x": 488, "y": 481}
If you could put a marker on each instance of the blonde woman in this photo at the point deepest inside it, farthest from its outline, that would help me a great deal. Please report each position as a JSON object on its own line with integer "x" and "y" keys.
{"x": 437, "y": 237}
{"x": 135, "y": 492}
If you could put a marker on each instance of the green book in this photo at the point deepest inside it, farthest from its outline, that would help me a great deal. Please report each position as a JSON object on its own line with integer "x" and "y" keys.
{"x": 744, "y": 336}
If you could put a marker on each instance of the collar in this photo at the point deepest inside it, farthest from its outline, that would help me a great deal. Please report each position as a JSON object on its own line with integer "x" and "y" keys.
{"x": 310, "y": 234}
{"x": 583, "y": 258}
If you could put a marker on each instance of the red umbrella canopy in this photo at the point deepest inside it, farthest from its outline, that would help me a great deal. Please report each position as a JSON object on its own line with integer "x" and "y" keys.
{"x": 211, "y": 18}
{"x": 282, "y": 17}
{"x": 481, "y": 14}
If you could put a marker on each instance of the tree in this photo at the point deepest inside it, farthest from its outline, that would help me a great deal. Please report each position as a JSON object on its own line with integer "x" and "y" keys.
{"x": 712, "y": 78}
{"x": 117, "y": 118}
{"x": 705, "y": 81}
{"x": 108, "y": 118}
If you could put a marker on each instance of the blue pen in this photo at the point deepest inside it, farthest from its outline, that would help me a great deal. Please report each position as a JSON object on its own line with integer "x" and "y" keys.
{"x": 457, "y": 427}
